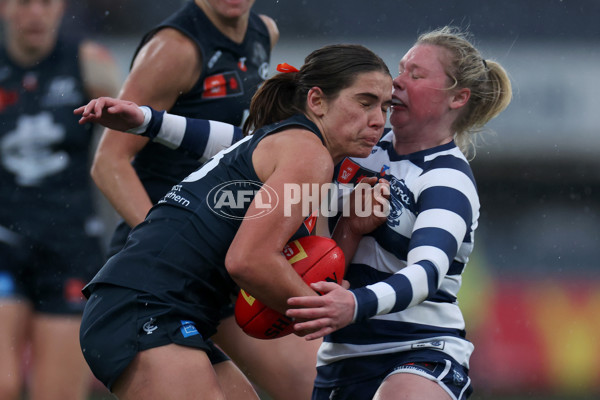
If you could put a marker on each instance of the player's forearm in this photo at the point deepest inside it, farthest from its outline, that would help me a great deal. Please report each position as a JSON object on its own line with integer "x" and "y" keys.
{"x": 346, "y": 239}
{"x": 119, "y": 183}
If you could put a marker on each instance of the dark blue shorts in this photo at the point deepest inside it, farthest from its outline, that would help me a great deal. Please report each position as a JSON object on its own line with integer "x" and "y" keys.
{"x": 118, "y": 239}
{"x": 49, "y": 275}
{"x": 447, "y": 373}
{"x": 120, "y": 322}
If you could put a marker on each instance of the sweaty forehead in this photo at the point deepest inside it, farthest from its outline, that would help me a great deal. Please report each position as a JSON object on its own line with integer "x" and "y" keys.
{"x": 425, "y": 56}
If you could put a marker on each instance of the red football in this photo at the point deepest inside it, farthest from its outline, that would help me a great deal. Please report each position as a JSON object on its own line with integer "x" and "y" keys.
{"x": 315, "y": 258}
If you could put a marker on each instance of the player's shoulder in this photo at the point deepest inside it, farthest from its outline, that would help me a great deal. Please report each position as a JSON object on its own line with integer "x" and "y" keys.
{"x": 271, "y": 28}
{"x": 170, "y": 50}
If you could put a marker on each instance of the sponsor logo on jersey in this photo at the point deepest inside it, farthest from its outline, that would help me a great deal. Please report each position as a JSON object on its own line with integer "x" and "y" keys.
{"x": 8, "y": 98}
{"x": 347, "y": 171}
{"x": 383, "y": 169}
{"x": 214, "y": 58}
{"x": 221, "y": 85}
{"x": 435, "y": 344}
{"x": 242, "y": 64}
{"x": 7, "y": 284}
{"x": 188, "y": 328}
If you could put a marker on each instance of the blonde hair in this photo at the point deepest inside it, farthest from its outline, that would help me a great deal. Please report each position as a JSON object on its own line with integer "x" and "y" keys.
{"x": 490, "y": 86}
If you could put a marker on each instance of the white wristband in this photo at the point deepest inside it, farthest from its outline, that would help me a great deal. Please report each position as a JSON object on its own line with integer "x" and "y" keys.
{"x": 142, "y": 128}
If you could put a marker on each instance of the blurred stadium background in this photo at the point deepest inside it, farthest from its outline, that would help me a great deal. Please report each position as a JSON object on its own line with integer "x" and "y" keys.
{"x": 532, "y": 290}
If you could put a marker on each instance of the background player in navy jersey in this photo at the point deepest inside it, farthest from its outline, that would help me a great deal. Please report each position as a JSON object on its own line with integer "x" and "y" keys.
{"x": 49, "y": 239}
{"x": 398, "y": 332}
{"x": 205, "y": 61}
{"x": 154, "y": 304}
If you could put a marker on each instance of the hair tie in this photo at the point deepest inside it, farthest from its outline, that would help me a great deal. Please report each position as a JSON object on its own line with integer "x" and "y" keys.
{"x": 286, "y": 68}
{"x": 485, "y": 64}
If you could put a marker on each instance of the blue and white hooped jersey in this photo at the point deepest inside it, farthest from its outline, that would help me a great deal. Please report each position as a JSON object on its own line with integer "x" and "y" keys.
{"x": 406, "y": 274}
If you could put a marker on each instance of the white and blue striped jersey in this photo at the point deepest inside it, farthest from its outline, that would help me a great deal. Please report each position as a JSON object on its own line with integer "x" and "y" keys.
{"x": 406, "y": 274}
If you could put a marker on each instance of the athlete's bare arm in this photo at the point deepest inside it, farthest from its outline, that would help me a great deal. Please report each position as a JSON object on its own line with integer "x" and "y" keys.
{"x": 167, "y": 66}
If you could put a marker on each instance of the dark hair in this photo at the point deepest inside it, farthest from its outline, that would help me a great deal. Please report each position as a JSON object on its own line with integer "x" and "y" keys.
{"x": 331, "y": 68}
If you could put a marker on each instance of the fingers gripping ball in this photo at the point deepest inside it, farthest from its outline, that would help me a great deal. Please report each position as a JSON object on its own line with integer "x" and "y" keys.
{"x": 315, "y": 259}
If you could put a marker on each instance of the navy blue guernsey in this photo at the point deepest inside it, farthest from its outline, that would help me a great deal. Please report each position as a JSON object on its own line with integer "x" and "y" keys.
{"x": 44, "y": 152}
{"x": 181, "y": 246}
{"x": 231, "y": 74}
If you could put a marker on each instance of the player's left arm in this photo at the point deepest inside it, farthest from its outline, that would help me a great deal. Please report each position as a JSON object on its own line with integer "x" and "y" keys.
{"x": 201, "y": 138}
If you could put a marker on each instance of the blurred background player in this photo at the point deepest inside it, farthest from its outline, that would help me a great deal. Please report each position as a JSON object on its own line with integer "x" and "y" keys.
{"x": 49, "y": 239}
{"x": 204, "y": 61}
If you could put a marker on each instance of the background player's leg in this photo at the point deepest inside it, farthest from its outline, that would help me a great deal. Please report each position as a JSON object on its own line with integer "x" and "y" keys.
{"x": 14, "y": 317}
{"x": 234, "y": 383}
{"x": 60, "y": 371}
{"x": 276, "y": 365}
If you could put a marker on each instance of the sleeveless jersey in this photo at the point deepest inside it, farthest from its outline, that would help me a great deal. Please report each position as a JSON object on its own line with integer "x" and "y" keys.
{"x": 44, "y": 152}
{"x": 231, "y": 73}
{"x": 406, "y": 274}
{"x": 178, "y": 252}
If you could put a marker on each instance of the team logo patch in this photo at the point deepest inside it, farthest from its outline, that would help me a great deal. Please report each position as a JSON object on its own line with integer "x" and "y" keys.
{"x": 150, "y": 326}
{"x": 400, "y": 198}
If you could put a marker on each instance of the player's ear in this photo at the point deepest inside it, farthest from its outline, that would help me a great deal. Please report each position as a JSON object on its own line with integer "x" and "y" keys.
{"x": 460, "y": 98}
{"x": 316, "y": 102}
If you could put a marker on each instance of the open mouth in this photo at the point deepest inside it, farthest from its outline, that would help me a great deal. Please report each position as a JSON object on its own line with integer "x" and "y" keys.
{"x": 397, "y": 102}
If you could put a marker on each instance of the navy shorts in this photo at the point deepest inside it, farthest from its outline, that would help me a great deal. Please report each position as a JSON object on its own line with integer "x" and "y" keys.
{"x": 118, "y": 239}
{"x": 48, "y": 275}
{"x": 447, "y": 373}
{"x": 120, "y": 322}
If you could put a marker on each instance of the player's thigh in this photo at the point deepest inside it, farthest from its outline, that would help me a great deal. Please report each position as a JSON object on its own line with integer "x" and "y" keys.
{"x": 274, "y": 365}
{"x": 234, "y": 383}
{"x": 55, "y": 338}
{"x": 60, "y": 369}
{"x": 409, "y": 386}
{"x": 169, "y": 372}
{"x": 14, "y": 317}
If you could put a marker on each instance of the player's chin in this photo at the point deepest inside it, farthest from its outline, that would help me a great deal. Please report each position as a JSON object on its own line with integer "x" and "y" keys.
{"x": 364, "y": 149}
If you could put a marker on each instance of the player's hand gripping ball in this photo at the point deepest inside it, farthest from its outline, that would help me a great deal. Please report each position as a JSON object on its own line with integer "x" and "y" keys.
{"x": 315, "y": 259}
